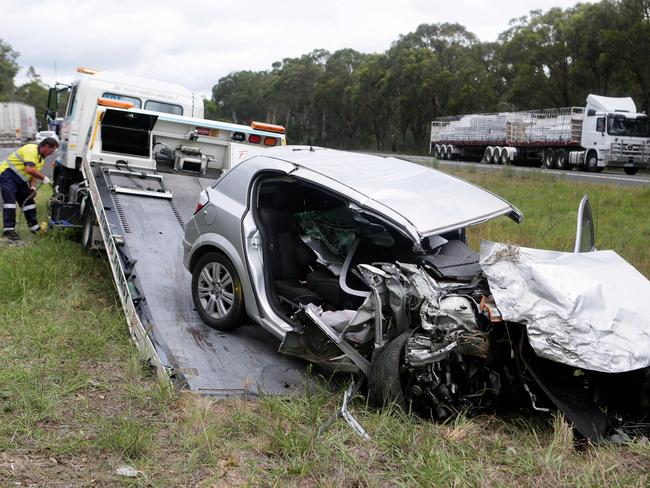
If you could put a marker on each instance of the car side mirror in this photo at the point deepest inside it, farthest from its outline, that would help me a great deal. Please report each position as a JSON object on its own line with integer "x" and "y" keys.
{"x": 591, "y": 112}
{"x": 585, "y": 235}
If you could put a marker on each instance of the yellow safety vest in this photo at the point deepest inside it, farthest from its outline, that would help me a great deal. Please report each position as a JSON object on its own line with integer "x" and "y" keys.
{"x": 16, "y": 161}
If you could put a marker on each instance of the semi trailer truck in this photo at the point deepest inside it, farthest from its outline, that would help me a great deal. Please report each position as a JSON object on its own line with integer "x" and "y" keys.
{"x": 17, "y": 123}
{"x": 607, "y": 133}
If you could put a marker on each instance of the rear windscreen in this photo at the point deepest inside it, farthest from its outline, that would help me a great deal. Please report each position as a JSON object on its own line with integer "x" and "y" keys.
{"x": 137, "y": 103}
{"x": 168, "y": 108}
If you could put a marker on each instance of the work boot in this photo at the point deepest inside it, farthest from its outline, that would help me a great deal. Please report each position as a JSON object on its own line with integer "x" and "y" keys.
{"x": 12, "y": 236}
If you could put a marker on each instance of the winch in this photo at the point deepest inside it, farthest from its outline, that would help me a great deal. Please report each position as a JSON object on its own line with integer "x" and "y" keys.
{"x": 190, "y": 159}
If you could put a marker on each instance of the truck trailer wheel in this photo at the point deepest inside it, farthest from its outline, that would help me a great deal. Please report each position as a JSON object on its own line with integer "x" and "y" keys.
{"x": 487, "y": 155}
{"x": 631, "y": 171}
{"x": 562, "y": 159}
{"x": 503, "y": 156}
{"x": 217, "y": 292}
{"x": 549, "y": 159}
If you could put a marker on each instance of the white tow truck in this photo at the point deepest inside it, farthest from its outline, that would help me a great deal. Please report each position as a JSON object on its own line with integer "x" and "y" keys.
{"x": 139, "y": 175}
{"x": 608, "y": 132}
{"x": 78, "y": 118}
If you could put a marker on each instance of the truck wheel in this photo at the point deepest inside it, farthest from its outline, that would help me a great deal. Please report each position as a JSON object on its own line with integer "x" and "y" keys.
{"x": 88, "y": 224}
{"x": 217, "y": 292}
{"x": 591, "y": 164}
{"x": 385, "y": 378}
{"x": 487, "y": 155}
{"x": 631, "y": 171}
{"x": 562, "y": 159}
{"x": 505, "y": 159}
{"x": 450, "y": 153}
{"x": 549, "y": 158}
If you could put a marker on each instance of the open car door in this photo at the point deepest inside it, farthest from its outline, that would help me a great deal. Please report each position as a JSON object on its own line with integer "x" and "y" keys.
{"x": 585, "y": 235}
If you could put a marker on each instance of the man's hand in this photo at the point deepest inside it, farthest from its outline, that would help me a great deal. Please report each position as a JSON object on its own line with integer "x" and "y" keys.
{"x": 46, "y": 180}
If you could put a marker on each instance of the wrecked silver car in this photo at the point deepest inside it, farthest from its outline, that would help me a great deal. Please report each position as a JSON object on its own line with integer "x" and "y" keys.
{"x": 361, "y": 262}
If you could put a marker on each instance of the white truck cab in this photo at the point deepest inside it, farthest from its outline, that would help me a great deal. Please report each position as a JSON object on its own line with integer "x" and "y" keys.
{"x": 142, "y": 93}
{"x": 80, "y": 118}
{"x": 142, "y": 125}
{"x": 615, "y": 135}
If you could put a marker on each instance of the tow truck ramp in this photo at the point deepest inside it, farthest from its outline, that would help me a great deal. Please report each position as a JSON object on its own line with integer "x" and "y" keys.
{"x": 141, "y": 218}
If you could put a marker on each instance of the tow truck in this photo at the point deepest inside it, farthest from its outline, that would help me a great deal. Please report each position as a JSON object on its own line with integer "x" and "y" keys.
{"x": 140, "y": 173}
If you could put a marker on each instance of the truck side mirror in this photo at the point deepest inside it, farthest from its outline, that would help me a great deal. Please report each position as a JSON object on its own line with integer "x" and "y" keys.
{"x": 591, "y": 112}
{"x": 52, "y": 100}
{"x": 585, "y": 235}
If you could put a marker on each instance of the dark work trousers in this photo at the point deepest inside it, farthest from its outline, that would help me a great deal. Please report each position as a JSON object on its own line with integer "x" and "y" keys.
{"x": 16, "y": 191}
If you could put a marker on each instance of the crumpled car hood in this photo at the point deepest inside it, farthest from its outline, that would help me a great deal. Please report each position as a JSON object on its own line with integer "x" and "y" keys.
{"x": 587, "y": 310}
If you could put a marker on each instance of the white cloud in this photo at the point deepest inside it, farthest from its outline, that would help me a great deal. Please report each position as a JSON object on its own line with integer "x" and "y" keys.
{"x": 196, "y": 42}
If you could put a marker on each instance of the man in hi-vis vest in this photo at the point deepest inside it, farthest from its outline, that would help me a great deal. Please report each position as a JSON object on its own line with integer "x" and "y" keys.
{"x": 19, "y": 174}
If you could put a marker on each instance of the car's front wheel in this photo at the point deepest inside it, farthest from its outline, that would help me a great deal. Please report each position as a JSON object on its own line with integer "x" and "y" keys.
{"x": 217, "y": 292}
{"x": 385, "y": 379}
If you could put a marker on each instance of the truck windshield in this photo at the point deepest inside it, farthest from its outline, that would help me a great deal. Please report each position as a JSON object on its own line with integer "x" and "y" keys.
{"x": 619, "y": 125}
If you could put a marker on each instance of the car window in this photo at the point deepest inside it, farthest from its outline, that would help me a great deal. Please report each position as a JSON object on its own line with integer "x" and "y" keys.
{"x": 167, "y": 108}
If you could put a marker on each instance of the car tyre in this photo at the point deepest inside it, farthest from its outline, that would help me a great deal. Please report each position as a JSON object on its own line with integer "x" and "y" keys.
{"x": 631, "y": 171}
{"x": 384, "y": 380}
{"x": 217, "y": 292}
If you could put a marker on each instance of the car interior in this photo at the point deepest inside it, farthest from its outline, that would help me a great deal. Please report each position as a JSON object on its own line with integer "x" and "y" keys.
{"x": 313, "y": 241}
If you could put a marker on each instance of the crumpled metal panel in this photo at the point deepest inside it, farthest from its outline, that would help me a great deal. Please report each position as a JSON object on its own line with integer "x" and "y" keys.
{"x": 587, "y": 310}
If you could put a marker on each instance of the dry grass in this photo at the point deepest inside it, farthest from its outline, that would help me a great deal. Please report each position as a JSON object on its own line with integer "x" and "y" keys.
{"x": 77, "y": 403}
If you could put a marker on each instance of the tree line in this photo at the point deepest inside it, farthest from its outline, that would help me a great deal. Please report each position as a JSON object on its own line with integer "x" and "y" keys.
{"x": 386, "y": 101}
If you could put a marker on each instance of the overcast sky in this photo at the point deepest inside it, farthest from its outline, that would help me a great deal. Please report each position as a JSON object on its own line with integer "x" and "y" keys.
{"x": 195, "y": 42}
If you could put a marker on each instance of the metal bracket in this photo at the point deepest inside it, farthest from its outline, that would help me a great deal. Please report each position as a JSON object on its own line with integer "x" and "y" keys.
{"x": 343, "y": 411}
{"x": 145, "y": 193}
{"x": 351, "y": 352}
{"x": 135, "y": 174}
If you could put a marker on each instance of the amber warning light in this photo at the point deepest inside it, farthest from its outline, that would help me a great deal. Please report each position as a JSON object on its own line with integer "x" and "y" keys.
{"x": 109, "y": 102}
{"x": 87, "y": 71}
{"x": 278, "y": 129}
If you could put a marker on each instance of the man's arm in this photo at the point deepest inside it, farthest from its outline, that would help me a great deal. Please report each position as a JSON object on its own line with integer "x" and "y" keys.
{"x": 35, "y": 175}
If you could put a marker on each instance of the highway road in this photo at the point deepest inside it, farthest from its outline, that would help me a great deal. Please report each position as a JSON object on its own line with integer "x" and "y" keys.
{"x": 612, "y": 177}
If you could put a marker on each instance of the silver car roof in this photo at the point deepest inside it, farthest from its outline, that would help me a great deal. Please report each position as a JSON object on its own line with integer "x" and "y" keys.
{"x": 425, "y": 201}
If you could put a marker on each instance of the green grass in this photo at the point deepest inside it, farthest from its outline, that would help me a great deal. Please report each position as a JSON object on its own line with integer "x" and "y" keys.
{"x": 76, "y": 402}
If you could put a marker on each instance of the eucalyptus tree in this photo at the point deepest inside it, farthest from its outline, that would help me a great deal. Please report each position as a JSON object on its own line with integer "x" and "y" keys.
{"x": 8, "y": 70}
{"x": 440, "y": 70}
{"x": 243, "y": 96}
{"x": 294, "y": 88}
{"x": 538, "y": 65}
{"x": 631, "y": 44}
{"x": 338, "y": 99}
